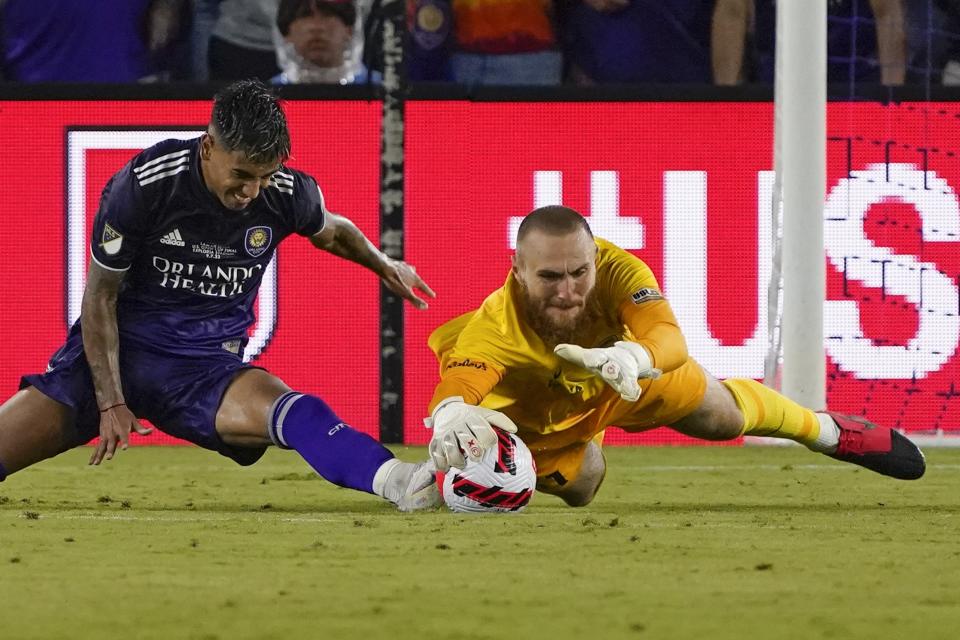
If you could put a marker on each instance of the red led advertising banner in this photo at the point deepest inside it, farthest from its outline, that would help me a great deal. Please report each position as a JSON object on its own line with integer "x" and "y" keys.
{"x": 317, "y": 322}
{"x": 687, "y": 188}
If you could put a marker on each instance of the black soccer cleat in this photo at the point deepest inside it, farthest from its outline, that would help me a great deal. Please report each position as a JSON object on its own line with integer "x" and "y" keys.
{"x": 877, "y": 448}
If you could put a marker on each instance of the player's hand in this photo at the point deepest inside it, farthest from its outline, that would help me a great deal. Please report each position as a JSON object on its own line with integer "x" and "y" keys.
{"x": 402, "y": 279}
{"x": 461, "y": 429}
{"x": 116, "y": 424}
{"x": 620, "y": 366}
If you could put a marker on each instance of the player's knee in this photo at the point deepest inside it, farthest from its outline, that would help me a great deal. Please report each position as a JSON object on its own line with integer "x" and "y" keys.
{"x": 583, "y": 489}
{"x": 575, "y": 495}
{"x": 717, "y": 418}
{"x": 582, "y": 492}
{"x": 579, "y": 499}
{"x": 720, "y": 427}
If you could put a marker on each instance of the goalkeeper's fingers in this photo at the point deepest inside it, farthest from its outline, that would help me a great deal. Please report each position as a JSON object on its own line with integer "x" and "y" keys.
{"x": 499, "y": 420}
{"x": 445, "y": 452}
{"x": 624, "y": 384}
{"x": 630, "y": 391}
{"x": 572, "y": 353}
{"x": 471, "y": 445}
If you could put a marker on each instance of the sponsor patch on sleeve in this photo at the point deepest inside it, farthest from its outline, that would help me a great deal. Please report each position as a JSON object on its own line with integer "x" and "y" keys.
{"x": 645, "y": 295}
{"x": 111, "y": 240}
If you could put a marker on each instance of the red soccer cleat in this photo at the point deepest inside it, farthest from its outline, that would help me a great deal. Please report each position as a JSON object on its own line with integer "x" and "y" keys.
{"x": 877, "y": 448}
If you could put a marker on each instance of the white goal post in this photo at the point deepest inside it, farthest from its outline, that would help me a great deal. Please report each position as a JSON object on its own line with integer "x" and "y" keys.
{"x": 796, "y": 360}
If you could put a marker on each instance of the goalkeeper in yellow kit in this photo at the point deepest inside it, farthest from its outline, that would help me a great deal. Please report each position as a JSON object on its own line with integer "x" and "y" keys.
{"x": 580, "y": 338}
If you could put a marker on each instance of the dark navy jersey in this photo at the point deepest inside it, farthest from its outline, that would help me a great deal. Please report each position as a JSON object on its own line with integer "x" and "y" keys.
{"x": 193, "y": 266}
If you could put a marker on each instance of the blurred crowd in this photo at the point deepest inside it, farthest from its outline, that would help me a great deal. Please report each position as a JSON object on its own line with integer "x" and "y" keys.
{"x": 470, "y": 42}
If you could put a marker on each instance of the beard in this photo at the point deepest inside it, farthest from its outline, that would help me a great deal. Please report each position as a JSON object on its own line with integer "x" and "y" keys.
{"x": 552, "y": 332}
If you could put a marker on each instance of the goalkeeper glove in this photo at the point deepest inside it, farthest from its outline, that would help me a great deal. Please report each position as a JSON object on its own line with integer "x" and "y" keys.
{"x": 620, "y": 365}
{"x": 460, "y": 428}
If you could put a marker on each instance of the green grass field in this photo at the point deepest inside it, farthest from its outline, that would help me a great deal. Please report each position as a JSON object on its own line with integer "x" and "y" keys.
{"x": 681, "y": 543}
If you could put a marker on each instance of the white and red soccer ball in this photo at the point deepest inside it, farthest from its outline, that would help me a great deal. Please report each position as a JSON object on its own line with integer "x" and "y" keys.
{"x": 503, "y": 481}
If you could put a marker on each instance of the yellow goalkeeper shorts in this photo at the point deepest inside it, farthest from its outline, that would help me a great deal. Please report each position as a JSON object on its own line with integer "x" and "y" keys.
{"x": 669, "y": 398}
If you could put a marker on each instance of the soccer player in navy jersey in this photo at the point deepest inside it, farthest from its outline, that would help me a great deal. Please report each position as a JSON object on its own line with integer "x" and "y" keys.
{"x": 179, "y": 246}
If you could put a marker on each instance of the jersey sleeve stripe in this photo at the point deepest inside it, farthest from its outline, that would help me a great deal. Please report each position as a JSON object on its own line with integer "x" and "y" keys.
{"x": 281, "y": 188}
{"x": 161, "y": 167}
{"x": 93, "y": 255}
{"x": 161, "y": 176}
{"x": 161, "y": 159}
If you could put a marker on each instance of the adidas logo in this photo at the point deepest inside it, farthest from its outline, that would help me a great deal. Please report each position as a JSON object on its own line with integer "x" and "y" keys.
{"x": 173, "y": 238}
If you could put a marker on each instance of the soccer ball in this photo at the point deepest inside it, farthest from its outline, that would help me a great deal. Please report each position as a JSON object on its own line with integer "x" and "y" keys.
{"x": 502, "y": 481}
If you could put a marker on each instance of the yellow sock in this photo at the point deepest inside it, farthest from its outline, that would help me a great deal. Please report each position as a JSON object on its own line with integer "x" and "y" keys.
{"x": 768, "y": 413}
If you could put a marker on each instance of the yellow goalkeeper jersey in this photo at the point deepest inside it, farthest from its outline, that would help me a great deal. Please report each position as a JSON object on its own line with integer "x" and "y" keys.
{"x": 490, "y": 355}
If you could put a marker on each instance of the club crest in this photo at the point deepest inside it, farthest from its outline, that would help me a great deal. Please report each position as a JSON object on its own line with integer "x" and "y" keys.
{"x": 257, "y": 240}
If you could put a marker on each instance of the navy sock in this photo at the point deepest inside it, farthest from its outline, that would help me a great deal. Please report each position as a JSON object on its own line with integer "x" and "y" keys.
{"x": 339, "y": 453}
{"x": 3, "y": 473}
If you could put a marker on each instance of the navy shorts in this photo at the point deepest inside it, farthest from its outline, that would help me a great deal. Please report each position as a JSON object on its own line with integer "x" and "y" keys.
{"x": 179, "y": 394}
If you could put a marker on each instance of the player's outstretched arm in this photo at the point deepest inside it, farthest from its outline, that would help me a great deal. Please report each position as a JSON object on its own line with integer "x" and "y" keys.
{"x": 101, "y": 344}
{"x": 341, "y": 237}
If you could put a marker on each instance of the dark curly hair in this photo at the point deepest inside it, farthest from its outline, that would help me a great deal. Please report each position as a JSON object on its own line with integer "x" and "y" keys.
{"x": 247, "y": 117}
